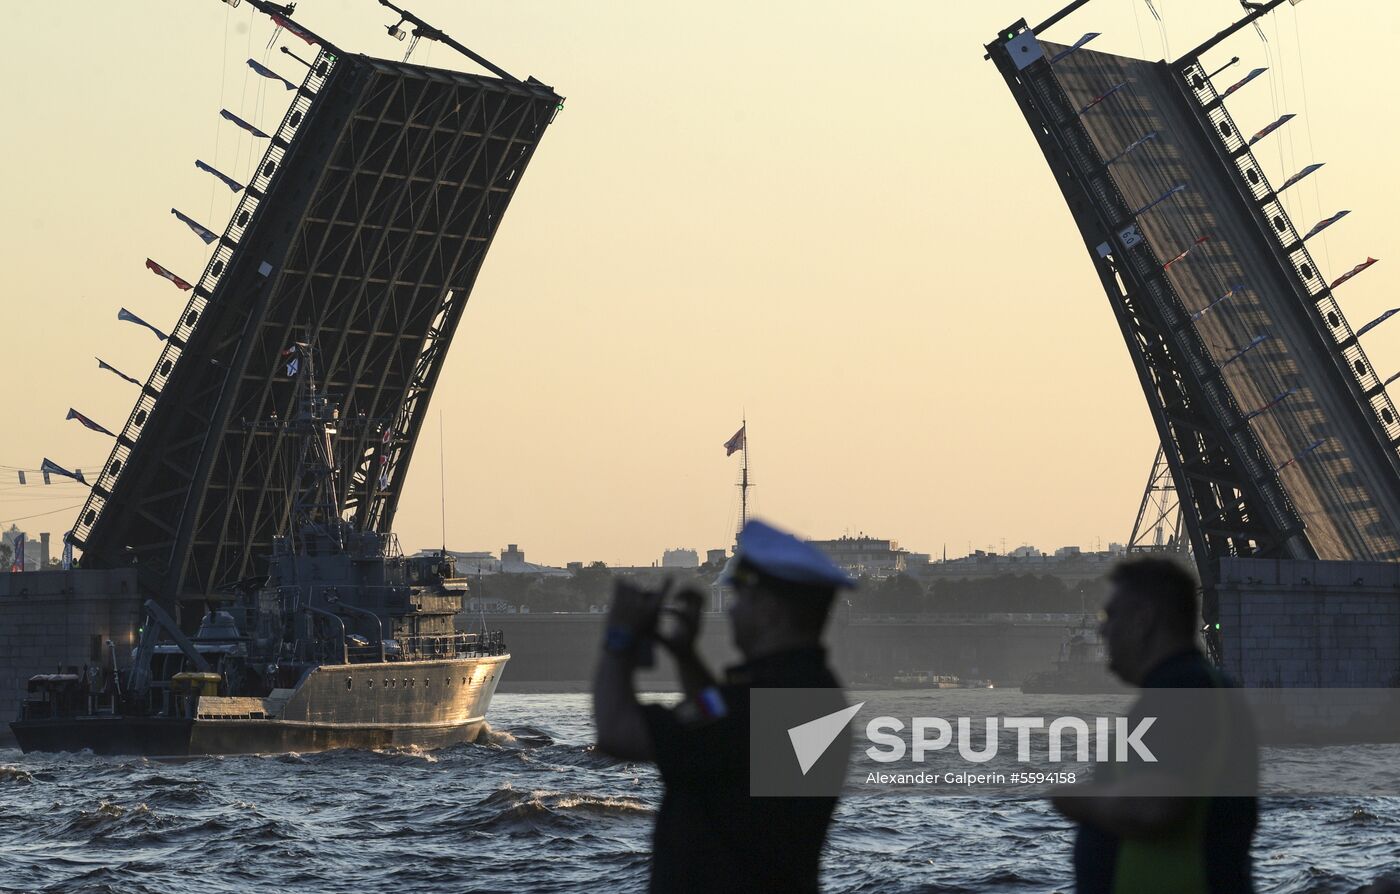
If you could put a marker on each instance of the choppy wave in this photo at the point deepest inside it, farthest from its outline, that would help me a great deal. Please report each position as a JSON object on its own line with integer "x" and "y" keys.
{"x": 532, "y": 806}
{"x": 507, "y": 807}
{"x": 411, "y": 752}
{"x": 15, "y": 775}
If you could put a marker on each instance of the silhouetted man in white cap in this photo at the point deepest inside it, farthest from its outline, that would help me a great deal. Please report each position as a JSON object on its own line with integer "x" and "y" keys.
{"x": 711, "y": 834}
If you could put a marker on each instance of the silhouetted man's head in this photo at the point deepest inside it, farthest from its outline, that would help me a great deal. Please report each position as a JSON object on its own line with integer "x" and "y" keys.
{"x": 783, "y": 591}
{"x": 768, "y": 613}
{"x": 1151, "y": 614}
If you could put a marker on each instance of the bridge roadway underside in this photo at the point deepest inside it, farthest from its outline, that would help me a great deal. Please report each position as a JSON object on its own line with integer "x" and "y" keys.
{"x": 1345, "y": 490}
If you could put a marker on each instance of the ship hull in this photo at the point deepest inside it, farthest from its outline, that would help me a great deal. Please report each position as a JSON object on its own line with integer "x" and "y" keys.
{"x": 157, "y": 737}
{"x": 426, "y": 704}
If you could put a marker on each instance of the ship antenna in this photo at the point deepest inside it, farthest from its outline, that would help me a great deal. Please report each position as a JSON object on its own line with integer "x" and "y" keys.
{"x": 442, "y": 482}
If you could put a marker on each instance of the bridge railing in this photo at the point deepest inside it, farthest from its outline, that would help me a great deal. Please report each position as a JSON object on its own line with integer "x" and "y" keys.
{"x": 203, "y": 292}
{"x": 452, "y": 645}
{"x": 1326, "y": 313}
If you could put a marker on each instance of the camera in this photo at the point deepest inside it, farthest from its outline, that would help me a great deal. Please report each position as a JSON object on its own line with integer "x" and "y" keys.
{"x": 675, "y": 606}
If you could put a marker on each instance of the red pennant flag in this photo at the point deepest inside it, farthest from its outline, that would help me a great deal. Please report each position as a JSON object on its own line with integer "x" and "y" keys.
{"x": 87, "y": 423}
{"x": 1353, "y": 271}
{"x": 1167, "y": 265}
{"x": 1270, "y": 129}
{"x": 161, "y": 271}
{"x": 1242, "y": 81}
{"x": 1101, "y": 97}
{"x": 293, "y": 29}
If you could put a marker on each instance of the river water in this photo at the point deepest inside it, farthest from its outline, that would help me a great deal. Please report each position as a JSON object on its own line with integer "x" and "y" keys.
{"x": 534, "y": 808}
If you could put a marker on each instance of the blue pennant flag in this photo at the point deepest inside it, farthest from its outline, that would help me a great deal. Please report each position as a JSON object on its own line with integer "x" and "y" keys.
{"x": 1159, "y": 200}
{"x": 49, "y": 467}
{"x": 1254, "y": 343}
{"x": 232, "y": 184}
{"x": 1302, "y": 453}
{"x": 243, "y": 124}
{"x": 1324, "y": 224}
{"x": 1299, "y": 176}
{"x": 202, "y": 232}
{"x": 1077, "y": 44}
{"x": 1377, "y": 321}
{"x": 102, "y": 364}
{"x": 1133, "y": 145}
{"x": 269, "y": 73}
{"x": 1278, "y": 399}
{"x": 130, "y": 317}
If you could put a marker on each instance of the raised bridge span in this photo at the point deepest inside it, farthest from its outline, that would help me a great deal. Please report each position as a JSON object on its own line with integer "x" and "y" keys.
{"x": 1279, "y": 434}
{"x": 361, "y": 233}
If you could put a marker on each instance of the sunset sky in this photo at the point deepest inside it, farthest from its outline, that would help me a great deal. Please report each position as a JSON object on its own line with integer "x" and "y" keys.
{"x": 828, "y": 216}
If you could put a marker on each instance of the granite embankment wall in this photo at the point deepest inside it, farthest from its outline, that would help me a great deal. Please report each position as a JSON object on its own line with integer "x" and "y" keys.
{"x": 563, "y": 648}
{"x": 1324, "y": 625}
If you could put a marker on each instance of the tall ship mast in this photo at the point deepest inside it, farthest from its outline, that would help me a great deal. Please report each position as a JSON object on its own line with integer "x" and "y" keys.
{"x": 345, "y": 643}
{"x": 739, "y": 443}
{"x": 744, "y": 476}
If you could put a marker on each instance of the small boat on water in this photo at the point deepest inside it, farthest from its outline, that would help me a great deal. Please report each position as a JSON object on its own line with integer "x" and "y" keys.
{"x": 929, "y": 680}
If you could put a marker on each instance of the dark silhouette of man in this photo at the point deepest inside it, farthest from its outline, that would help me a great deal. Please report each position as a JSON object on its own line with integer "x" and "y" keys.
{"x": 711, "y": 834}
{"x": 1156, "y": 829}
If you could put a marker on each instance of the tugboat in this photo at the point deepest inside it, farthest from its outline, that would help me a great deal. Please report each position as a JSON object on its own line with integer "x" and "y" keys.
{"x": 345, "y": 643}
{"x": 1081, "y": 668}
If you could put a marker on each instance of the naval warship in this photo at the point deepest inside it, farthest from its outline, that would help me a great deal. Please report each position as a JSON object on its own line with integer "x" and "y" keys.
{"x": 345, "y": 643}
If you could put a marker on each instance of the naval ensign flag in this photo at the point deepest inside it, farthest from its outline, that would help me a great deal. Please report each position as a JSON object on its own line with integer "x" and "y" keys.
{"x": 735, "y": 443}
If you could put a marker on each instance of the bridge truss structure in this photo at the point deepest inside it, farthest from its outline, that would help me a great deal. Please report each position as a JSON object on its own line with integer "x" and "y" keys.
{"x": 362, "y": 234}
{"x": 1279, "y": 436}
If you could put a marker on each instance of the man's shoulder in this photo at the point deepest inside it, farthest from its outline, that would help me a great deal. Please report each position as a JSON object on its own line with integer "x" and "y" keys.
{"x": 1186, "y": 670}
{"x": 796, "y": 669}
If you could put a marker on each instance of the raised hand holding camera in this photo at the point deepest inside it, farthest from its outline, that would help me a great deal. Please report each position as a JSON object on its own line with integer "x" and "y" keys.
{"x": 678, "y": 622}
{"x": 632, "y": 620}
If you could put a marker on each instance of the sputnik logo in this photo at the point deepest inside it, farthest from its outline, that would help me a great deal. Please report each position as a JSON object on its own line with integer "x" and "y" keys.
{"x": 810, "y": 740}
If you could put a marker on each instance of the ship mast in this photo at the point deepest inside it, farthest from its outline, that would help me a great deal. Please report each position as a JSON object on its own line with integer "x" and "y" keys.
{"x": 315, "y": 506}
{"x": 744, "y": 477}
